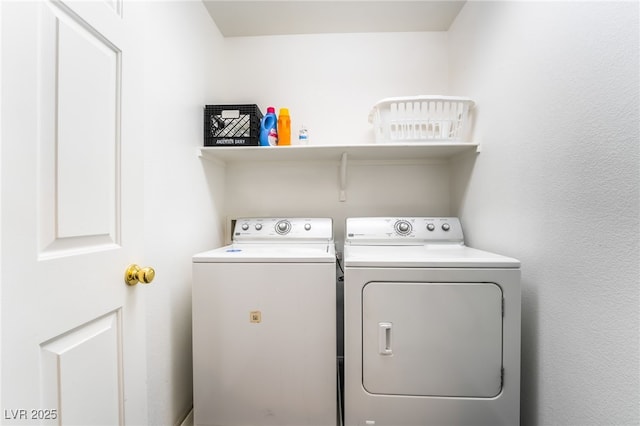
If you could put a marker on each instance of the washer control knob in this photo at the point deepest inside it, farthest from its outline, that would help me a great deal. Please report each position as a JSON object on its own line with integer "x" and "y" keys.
{"x": 446, "y": 226}
{"x": 283, "y": 227}
{"x": 431, "y": 227}
{"x": 245, "y": 226}
{"x": 403, "y": 227}
{"x": 307, "y": 226}
{"x": 258, "y": 226}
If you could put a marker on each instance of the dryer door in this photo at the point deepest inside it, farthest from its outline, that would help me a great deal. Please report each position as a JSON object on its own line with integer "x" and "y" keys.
{"x": 432, "y": 339}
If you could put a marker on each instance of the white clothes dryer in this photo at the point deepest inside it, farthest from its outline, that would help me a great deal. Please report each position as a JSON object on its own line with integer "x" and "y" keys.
{"x": 264, "y": 326}
{"x": 432, "y": 327}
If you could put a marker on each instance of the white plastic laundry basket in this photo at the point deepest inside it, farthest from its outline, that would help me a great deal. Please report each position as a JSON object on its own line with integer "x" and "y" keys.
{"x": 421, "y": 119}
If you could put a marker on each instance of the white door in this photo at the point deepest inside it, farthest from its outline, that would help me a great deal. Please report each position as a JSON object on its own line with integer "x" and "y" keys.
{"x": 73, "y": 347}
{"x": 432, "y": 339}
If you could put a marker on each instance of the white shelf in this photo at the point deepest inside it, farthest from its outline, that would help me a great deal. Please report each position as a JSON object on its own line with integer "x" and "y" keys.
{"x": 377, "y": 153}
{"x": 368, "y": 152}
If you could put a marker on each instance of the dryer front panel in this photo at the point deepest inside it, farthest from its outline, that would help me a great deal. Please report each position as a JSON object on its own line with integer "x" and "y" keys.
{"x": 432, "y": 339}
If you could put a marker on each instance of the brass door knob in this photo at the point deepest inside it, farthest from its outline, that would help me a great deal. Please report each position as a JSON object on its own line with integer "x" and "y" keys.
{"x": 135, "y": 274}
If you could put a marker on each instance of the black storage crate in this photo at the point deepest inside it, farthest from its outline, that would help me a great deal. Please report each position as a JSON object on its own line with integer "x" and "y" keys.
{"x": 232, "y": 125}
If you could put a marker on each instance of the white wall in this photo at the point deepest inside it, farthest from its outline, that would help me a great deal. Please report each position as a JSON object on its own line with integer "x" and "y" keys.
{"x": 181, "y": 209}
{"x": 556, "y": 185}
{"x": 330, "y": 82}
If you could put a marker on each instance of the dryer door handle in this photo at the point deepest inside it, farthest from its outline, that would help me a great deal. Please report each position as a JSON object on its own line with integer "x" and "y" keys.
{"x": 384, "y": 338}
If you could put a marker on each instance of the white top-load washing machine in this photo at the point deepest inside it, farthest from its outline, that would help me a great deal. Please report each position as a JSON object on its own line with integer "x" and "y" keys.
{"x": 264, "y": 326}
{"x": 432, "y": 327}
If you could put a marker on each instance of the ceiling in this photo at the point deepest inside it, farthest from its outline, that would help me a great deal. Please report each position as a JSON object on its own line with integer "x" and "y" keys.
{"x": 239, "y": 18}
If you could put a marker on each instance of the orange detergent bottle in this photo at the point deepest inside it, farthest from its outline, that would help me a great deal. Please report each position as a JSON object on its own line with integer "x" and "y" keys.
{"x": 284, "y": 127}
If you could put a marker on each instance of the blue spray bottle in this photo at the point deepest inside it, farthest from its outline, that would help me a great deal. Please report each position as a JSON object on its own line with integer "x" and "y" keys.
{"x": 269, "y": 128}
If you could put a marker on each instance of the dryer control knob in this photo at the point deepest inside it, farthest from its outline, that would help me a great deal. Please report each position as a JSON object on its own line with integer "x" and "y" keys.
{"x": 403, "y": 227}
{"x": 431, "y": 227}
{"x": 446, "y": 226}
{"x": 283, "y": 227}
{"x": 245, "y": 226}
{"x": 307, "y": 226}
{"x": 258, "y": 226}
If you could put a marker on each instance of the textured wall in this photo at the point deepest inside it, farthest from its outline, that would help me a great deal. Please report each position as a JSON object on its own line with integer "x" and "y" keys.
{"x": 181, "y": 210}
{"x": 556, "y": 185}
{"x": 330, "y": 82}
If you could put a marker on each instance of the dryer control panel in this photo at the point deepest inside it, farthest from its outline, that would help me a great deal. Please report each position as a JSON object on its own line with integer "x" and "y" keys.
{"x": 403, "y": 230}
{"x": 269, "y": 229}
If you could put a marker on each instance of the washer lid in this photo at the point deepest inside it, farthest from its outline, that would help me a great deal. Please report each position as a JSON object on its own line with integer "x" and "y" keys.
{"x": 428, "y": 256}
{"x": 269, "y": 253}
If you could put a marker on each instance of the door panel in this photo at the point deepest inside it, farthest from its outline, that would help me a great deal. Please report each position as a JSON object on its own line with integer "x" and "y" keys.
{"x": 84, "y": 394}
{"x": 87, "y": 111}
{"x": 432, "y": 339}
{"x": 79, "y": 140}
